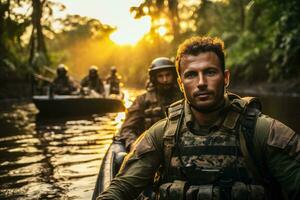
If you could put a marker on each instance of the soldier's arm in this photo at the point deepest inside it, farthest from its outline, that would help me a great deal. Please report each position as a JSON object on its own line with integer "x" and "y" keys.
{"x": 101, "y": 86}
{"x": 83, "y": 82}
{"x": 138, "y": 168}
{"x": 73, "y": 84}
{"x": 133, "y": 125}
{"x": 280, "y": 148}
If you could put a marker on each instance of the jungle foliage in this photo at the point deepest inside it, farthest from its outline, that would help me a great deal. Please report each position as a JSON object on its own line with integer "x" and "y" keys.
{"x": 262, "y": 37}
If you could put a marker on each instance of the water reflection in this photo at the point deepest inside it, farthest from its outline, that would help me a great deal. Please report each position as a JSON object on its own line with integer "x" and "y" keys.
{"x": 55, "y": 158}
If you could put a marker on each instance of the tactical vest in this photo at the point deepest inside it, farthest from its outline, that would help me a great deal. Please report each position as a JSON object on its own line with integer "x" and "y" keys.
{"x": 209, "y": 166}
{"x": 154, "y": 108}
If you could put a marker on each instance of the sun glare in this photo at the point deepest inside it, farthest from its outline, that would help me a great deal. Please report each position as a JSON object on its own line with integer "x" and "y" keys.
{"x": 115, "y": 13}
{"x": 130, "y": 34}
{"x": 162, "y": 31}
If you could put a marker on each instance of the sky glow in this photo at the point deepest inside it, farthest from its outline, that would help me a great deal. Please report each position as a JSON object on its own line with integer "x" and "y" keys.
{"x": 113, "y": 12}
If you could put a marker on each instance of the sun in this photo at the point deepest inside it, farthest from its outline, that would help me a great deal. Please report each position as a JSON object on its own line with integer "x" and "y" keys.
{"x": 115, "y": 13}
{"x": 131, "y": 32}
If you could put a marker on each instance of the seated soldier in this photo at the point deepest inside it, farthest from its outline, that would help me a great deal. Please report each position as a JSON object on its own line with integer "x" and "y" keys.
{"x": 63, "y": 84}
{"x": 93, "y": 81}
{"x": 113, "y": 80}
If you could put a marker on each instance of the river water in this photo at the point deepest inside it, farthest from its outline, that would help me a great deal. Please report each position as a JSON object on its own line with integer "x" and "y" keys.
{"x": 53, "y": 158}
{"x": 60, "y": 159}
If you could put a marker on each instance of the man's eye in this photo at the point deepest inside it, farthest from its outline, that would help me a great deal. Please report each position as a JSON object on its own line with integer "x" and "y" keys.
{"x": 190, "y": 75}
{"x": 211, "y": 72}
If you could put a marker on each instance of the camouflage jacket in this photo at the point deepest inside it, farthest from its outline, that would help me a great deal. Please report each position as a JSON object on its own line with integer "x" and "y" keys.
{"x": 64, "y": 85}
{"x": 93, "y": 84}
{"x": 114, "y": 83}
{"x": 146, "y": 109}
{"x": 276, "y": 143}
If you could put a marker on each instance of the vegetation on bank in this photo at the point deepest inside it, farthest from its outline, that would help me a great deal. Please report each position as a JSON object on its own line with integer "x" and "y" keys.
{"x": 261, "y": 38}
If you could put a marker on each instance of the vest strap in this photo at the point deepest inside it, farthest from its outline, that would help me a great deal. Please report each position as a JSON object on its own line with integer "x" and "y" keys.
{"x": 171, "y": 134}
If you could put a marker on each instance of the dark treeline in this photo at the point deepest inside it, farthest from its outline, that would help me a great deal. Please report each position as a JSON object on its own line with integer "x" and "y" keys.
{"x": 262, "y": 39}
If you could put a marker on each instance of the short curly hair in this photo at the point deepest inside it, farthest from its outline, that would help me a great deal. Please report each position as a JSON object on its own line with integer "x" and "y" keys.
{"x": 197, "y": 44}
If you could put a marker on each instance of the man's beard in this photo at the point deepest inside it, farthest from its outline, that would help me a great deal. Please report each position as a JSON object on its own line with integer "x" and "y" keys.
{"x": 218, "y": 104}
{"x": 165, "y": 90}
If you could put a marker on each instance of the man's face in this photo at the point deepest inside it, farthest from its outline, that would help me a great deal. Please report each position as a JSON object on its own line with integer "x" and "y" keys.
{"x": 202, "y": 80}
{"x": 61, "y": 72}
{"x": 93, "y": 73}
{"x": 164, "y": 78}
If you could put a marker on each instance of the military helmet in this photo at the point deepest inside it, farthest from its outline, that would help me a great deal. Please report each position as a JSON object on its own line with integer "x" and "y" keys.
{"x": 113, "y": 69}
{"x": 159, "y": 64}
{"x": 62, "y": 69}
{"x": 93, "y": 68}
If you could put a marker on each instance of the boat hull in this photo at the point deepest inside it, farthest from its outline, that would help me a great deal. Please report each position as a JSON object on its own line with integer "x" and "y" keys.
{"x": 76, "y": 105}
{"x": 109, "y": 167}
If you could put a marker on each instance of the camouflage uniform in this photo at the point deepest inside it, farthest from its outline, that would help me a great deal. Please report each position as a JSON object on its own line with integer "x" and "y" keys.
{"x": 94, "y": 83}
{"x": 114, "y": 82}
{"x": 64, "y": 85}
{"x": 147, "y": 109}
{"x": 206, "y": 162}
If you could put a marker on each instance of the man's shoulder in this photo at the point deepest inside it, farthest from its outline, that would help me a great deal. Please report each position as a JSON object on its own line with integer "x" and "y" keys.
{"x": 159, "y": 126}
{"x": 273, "y": 132}
{"x": 86, "y": 78}
{"x": 144, "y": 96}
{"x": 157, "y": 130}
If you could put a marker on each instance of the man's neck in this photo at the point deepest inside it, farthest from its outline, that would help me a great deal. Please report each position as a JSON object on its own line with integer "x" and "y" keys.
{"x": 205, "y": 119}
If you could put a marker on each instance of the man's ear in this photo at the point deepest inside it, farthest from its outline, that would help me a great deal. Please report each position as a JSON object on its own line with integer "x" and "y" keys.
{"x": 180, "y": 84}
{"x": 226, "y": 77}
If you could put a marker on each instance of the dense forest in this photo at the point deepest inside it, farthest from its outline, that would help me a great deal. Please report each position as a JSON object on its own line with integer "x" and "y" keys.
{"x": 262, "y": 40}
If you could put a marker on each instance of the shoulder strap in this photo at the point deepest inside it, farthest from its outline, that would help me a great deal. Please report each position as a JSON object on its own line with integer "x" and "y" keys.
{"x": 238, "y": 106}
{"x": 175, "y": 118}
{"x": 246, "y": 134}
{"x": 242, "y": 117}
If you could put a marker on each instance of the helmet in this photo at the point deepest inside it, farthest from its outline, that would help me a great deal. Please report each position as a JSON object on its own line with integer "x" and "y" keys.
{"x": 161, "y": 63}
{"x": 113, "y": 69}
{"x": 158, "y": 64}
{"x": 93, "y": 68}
{"x": 62, "y": 70}
{"x": 93, "y": 71}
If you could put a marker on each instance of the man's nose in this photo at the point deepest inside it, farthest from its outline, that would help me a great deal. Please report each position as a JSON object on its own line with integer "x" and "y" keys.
{"x": 165, "y": 79}
{"x": 202, "y": 80}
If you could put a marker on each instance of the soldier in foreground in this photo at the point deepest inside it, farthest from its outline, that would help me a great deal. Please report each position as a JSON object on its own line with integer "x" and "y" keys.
{"x": 63, "y": 84}
{"x": 92, "y": 81}
{"x": 150, "y": 107}
{"x": 213, "y": 144}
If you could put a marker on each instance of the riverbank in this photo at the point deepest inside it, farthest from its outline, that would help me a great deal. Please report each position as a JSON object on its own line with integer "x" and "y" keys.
{"x": 289, "y": 88}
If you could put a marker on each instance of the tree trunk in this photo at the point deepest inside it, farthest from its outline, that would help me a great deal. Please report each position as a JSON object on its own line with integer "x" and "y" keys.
{"x": 242, "y": 15}
{"x": 37, "y": 42}
{"x": 174, "y": 17}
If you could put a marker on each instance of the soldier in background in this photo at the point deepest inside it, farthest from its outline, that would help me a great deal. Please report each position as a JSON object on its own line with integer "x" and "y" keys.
{"x": 213, "y": 144}
{"x": 93, "y": 81}
{"x": 113, "y": 80}
{"x": 63, "y": 84}
{"x": 149, "y": 107}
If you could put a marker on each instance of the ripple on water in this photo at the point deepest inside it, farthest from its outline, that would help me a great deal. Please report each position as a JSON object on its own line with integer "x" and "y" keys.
{"x": 53, "y": 158}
